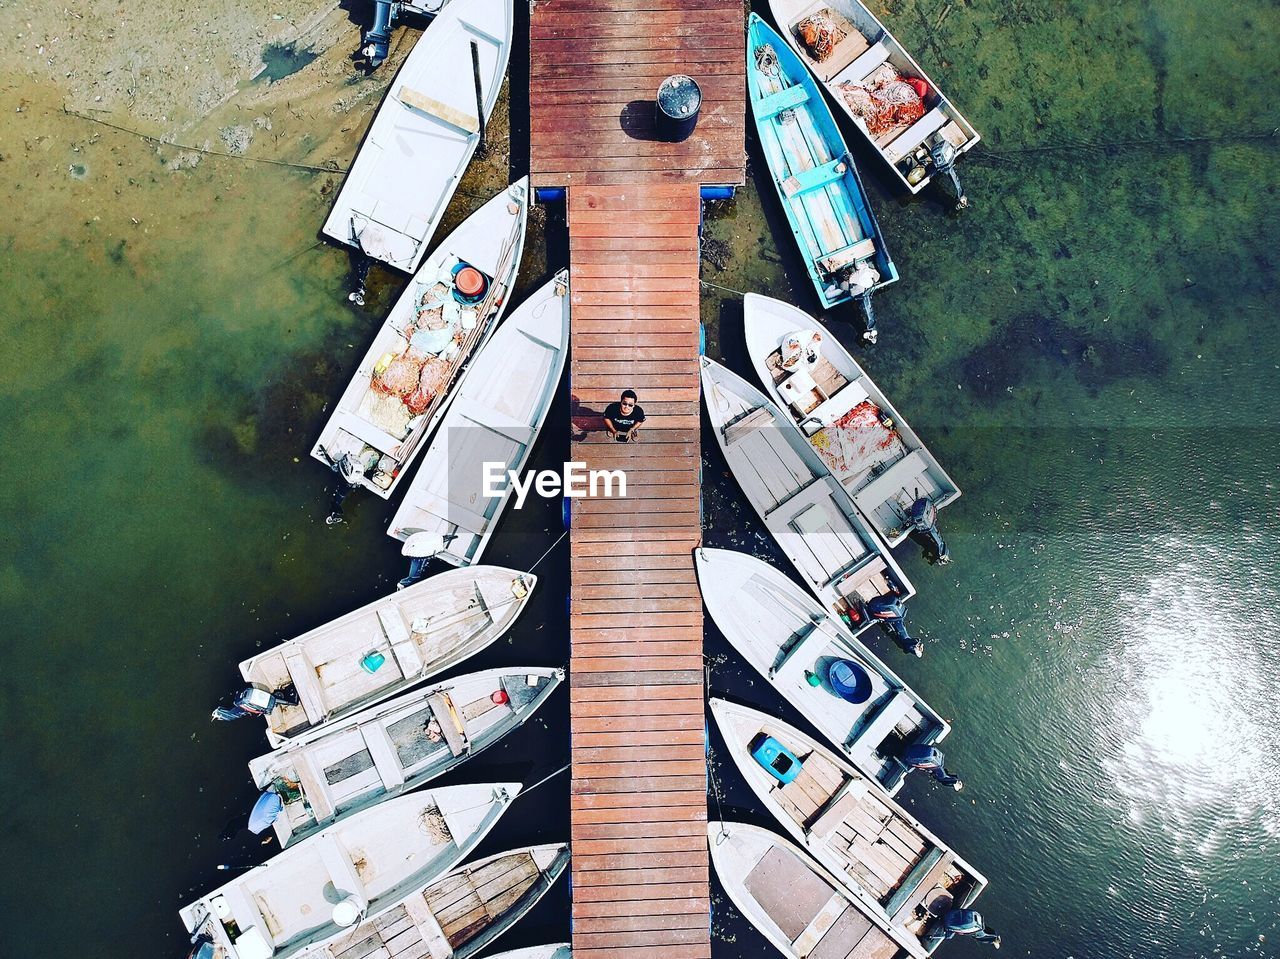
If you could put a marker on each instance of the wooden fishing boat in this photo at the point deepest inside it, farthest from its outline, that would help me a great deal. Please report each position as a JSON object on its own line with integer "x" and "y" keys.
{"x": 813, "y": 518}
{"x": 360, "y": 868}
{"x": 460, "y": 914}
{"x": 396, "y": 746}
{"x": 791, "y": 641}
{"x": 817, "y": 181}
{"x": 492, "y": 425}
{"x": 382, "y": 649}
{"x": 880, "y": 853}
{"x": 861, "y": 438}
{"x": 424, "y": 135}
{"x": 795, "y": 903}
{"x": 906, "y": 139}
{"x": 407, "y": 379}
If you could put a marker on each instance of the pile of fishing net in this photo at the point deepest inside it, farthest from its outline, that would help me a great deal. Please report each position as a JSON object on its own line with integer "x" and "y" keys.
{"x": 885, "y": 100}
{"x": 820, "y": 34}
{"x": 858, "y": 441}
{"x": 431, "y": 382}
{"x": 398, "y": 375}
{"x": 435, "y": 827}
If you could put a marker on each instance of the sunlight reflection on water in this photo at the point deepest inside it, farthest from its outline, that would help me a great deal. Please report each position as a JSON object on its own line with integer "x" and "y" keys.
{"x": 1202, "y": 759}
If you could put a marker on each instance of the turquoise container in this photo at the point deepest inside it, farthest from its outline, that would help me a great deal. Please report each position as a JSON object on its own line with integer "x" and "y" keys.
{"x": 372, "y": 662}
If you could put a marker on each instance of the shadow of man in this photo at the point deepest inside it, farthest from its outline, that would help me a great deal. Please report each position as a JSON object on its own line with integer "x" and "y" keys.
{"x": 583, "y": 420}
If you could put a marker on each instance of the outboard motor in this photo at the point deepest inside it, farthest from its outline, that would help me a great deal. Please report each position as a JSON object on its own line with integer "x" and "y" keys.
{"x": 944, "y": 155}
{"x": 869, "y": 332}
{"x": 922, "y": 522}
{"x": 420, "y": 547}
{"x": 377, "y": 39}
{"x": 969, "y": 924}
{"x": 888, "y": 611}
{"x": 252, "y": 701}
{"x": 202, "y": 946}
{"x": 929, "y": 759}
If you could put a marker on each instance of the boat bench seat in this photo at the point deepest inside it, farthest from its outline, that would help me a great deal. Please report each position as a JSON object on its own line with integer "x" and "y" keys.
{"x": 463, "y": 120}
{"x": 757, "y": 419}
{"x": 383, "y": 753}
{"x": 315, "y": 787}
{"x": 899, "y": 483}
{"x": 868, "y": 739}
{"x": 861, "y": 68}
{"x": 837, "y": 260}
{"x": 458, "y": 516}
{"x": 910, "y": 138}
{"x": 403, "y": 646}
{"x": 785, "y": 99}
{"x": 830, "y": 410}
{"x": 452, "y": 725}
{"x": 307, "y": 685}
{"x": 499, "y": 422}
{"x": 860, "y": 583}
{"x": 815, "y": 177}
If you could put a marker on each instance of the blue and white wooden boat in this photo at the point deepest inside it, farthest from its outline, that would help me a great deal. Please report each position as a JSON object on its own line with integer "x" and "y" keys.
{"x": 815, "y": 176}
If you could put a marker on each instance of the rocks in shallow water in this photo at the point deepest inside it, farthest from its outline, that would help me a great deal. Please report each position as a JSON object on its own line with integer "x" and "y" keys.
{"x": 236, "y": 139}
{"x": 187, "y": 160}
{"x": 716, "y": 252}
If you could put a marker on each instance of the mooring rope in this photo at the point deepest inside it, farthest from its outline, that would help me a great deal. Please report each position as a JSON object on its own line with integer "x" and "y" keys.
{"x": 333, "y": 168}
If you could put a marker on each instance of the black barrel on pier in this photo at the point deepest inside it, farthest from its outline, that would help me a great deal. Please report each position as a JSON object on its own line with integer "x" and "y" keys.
{"x": 679, "y": 100}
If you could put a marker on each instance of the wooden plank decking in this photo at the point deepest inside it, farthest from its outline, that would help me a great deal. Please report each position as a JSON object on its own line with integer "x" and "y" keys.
{"x": 639, "y": 807}
{"x": 595, "y": 66}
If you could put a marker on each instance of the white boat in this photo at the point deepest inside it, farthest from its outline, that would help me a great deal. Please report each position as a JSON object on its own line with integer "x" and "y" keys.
{"x": 813, "y": 518}
{"x": 357, "y": 869}
{"x": 854, "y": 65}
{"x": 396, "y": 746}
{"x": 459, "y": 914}
{"x": 382, "y": 649}
{"x": 559, "y": 950}
{"x": 792, "y": 642}
{"x": 879, "y": 852}
{"x": 795, "y": 903}
{"x": 424, "y": 135}
{"x": 406, "y": 380}
{"x": 861, "y": 438}
{"x": 490, "y": 428}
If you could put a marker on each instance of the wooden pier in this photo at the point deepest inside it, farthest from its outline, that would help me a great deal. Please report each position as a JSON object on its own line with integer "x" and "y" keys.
{"x": 639, "y": 807}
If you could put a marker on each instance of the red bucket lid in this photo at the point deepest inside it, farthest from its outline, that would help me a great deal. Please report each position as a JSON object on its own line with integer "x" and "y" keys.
{"x": 469, "y": 281}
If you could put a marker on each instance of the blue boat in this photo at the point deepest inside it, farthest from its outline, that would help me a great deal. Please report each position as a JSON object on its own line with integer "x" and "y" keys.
{"x": 815, "y": 176}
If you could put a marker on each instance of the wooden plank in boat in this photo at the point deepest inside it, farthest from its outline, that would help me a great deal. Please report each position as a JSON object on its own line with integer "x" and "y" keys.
{"x": 313, "y": 786}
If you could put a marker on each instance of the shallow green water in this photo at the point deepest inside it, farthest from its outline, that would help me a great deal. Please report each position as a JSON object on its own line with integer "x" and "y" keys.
{"x": 1090, "y": 350}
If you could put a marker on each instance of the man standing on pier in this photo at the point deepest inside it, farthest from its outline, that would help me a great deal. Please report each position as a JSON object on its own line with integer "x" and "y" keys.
{"x": 623, "y": 419}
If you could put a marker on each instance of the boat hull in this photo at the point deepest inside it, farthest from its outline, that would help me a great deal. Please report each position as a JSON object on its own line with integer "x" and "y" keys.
{"x": 813, "y": 172}
{"x": 884, "y": 469}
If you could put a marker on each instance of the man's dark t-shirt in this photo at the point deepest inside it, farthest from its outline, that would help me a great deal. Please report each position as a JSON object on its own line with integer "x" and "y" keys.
{"x": 613, "y": 413}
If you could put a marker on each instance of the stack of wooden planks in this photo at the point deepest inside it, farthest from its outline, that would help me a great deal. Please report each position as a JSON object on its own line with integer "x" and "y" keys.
{"x": 878, "y": 847}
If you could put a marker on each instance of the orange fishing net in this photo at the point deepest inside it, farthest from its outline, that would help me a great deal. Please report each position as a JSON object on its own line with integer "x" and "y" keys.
{"x": 884, "y": 100}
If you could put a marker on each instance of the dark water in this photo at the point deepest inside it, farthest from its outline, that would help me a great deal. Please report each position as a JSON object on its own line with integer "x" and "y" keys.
{"x": 1087, "y": 350}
